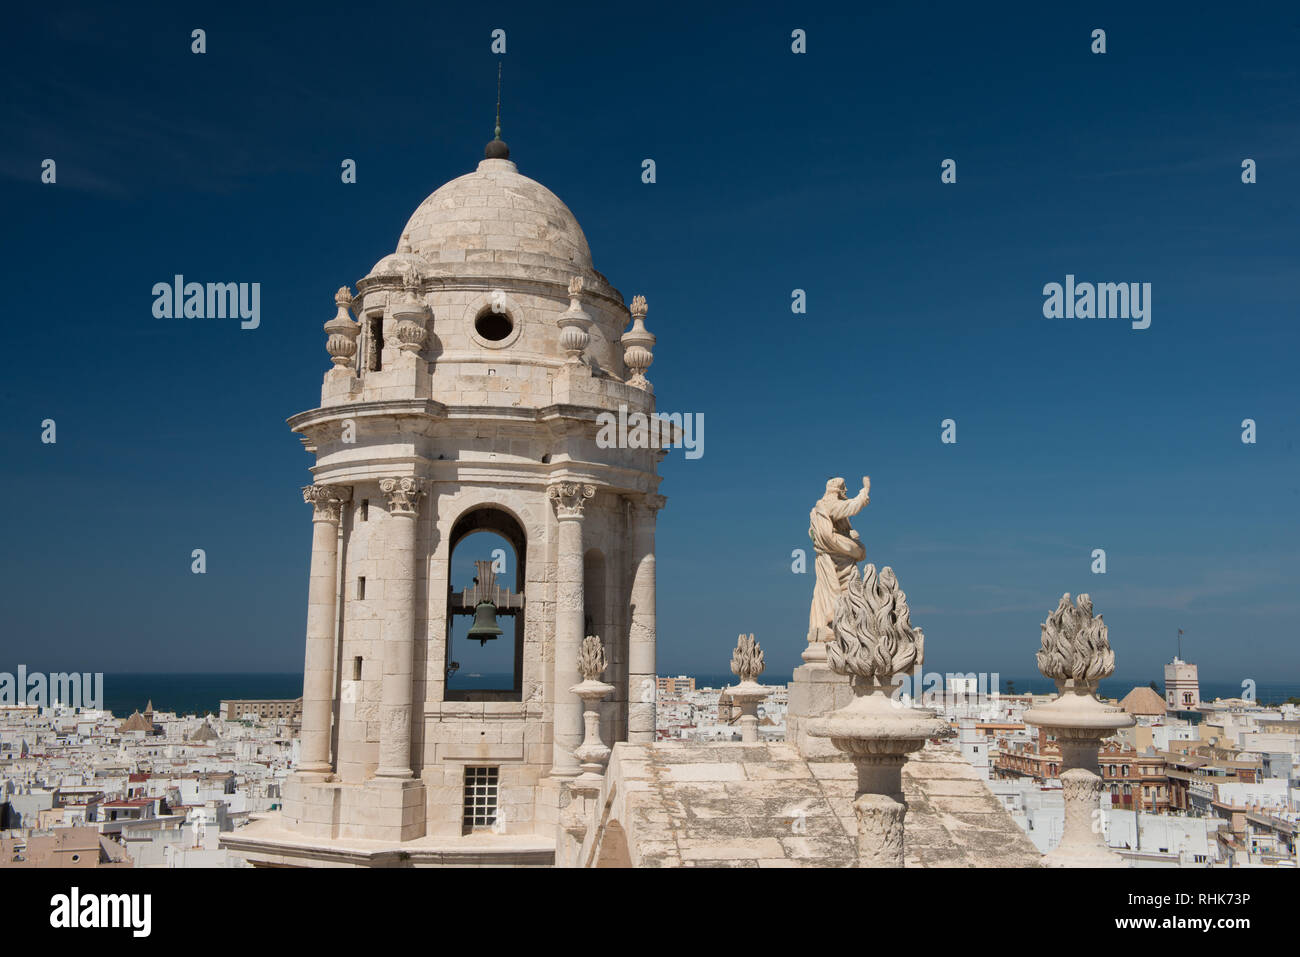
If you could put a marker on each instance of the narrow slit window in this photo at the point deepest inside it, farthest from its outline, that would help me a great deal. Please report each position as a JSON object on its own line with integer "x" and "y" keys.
{"x": 377, "y": 343}
{"x": 365, "y": 510}
{"x": 356, "y": 668}
{"x": 361, "y": 588}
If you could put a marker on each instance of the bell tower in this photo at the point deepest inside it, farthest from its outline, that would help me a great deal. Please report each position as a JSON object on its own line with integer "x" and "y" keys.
{"x": 459, "y": 487}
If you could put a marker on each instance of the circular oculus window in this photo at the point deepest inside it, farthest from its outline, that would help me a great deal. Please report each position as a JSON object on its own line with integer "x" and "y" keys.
{"x": 494, "y": 327}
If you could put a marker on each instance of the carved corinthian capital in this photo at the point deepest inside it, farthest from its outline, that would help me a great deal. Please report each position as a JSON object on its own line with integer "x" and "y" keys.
{"x": 403, "y": 495}
{"x": 569, "y": 498}
{"x": 327, "y": 500}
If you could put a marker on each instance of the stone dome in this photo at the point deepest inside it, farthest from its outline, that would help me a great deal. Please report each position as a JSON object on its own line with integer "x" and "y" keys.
{"x": 495, "y": 221}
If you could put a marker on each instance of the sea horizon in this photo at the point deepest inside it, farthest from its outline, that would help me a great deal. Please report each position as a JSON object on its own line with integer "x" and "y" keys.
{"x": 201, "y": 693}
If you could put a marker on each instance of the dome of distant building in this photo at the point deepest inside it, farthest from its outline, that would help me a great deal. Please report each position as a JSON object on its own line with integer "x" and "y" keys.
{"x": 136, "y": 722}
{"x": 203, "y": 733}
{"x": 1143, "y": 701}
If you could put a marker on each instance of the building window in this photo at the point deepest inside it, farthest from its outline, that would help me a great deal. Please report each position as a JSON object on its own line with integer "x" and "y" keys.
{"x": 365, "y": 510}
{"x": 1125, "y": 770}
{"x": 487, "y": 669}
{"x": 480, "y": 797}
{"x": 361, "y": 588}
{"x": 356, "y": 668}
{"x": 494, "y": 326}
{"x": 376, "y": 358}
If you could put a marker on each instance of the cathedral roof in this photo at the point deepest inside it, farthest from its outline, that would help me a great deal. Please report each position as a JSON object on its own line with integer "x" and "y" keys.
{"x": 495, "y": 221}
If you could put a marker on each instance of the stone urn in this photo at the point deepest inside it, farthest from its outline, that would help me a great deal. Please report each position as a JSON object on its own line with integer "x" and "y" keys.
{"x": 747, "y": 664}
{"x": 1076, "y": 654}
{"x": 874, "y": 641}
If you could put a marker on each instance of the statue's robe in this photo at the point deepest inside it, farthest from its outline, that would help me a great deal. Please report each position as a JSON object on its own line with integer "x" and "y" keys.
{"x": 838, "y": 552}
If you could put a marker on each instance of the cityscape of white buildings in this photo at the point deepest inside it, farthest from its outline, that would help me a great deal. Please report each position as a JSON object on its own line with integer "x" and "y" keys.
{"x": 81, "y": 788}
{"x": 1192, "y": 784}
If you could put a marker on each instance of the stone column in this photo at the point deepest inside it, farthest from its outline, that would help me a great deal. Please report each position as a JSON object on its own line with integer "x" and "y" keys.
{"x": 641, "y": 673}
{"x": 404, "y": 496}
{"x": 569, "y": 500}
{"x": 322, "y": 616}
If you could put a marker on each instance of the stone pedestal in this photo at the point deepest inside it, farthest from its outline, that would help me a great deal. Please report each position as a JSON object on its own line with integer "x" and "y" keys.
{"x": 1080, "y": 722}
{"x": 382, "y": 809}
{"x": 746, "y": 696}
{"x": 815, "y": 691}
{"x": 877, "y": 734}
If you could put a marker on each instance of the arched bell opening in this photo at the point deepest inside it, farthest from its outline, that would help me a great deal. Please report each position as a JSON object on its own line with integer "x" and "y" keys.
{"x": 485, "y": 607}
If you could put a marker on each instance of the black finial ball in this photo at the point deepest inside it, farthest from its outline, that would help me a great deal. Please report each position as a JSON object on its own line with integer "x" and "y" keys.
{"x": 497, "y": 150}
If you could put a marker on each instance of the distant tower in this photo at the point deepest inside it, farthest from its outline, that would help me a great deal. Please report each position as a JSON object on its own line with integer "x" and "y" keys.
{"x": 1182, "y": 687}
{"x": 464, "y": 399}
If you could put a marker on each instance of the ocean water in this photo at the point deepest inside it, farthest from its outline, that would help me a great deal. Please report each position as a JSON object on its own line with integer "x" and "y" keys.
{"x": 1273, "y": 692}
{"x": 193, "y": 693}
{"x": 203, "y": 693}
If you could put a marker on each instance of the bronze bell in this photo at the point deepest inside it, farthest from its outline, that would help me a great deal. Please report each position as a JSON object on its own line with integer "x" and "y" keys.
{"x": 485, "y": 622}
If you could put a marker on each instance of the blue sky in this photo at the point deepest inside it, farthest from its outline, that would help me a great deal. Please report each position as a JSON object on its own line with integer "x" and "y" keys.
{"x": 775, "y": 171}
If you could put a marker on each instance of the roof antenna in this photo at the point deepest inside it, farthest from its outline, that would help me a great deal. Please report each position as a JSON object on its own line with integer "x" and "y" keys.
{"x": 497, "y": 149}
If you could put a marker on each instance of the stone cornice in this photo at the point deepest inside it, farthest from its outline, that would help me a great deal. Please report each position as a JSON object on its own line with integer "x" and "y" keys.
{"x": 438, "y": 276}
{"x": 430, "y": 408}
{"x": 353, "y": 410}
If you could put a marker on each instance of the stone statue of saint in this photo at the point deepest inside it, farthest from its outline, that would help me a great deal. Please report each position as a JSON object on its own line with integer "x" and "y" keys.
{"x": 839, "y": 549}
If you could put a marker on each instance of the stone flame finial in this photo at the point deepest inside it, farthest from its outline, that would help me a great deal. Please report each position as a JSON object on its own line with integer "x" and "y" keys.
{"x": 747, "y": 660}
{"x": 874, "y": 637}
{"x": 591, "y": 659}
{"x": 1075, "y": 643}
